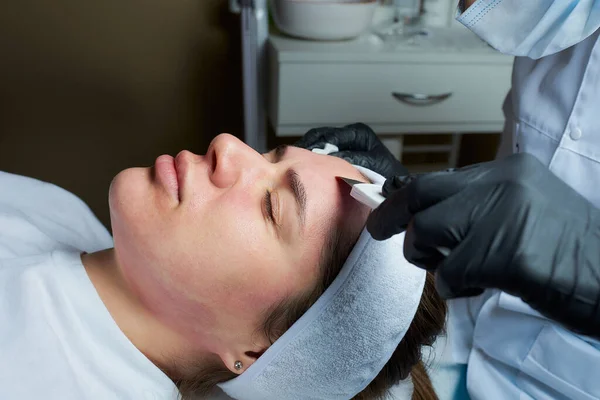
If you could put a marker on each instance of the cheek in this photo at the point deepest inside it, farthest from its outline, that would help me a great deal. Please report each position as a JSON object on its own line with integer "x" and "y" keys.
{"x": 169, "y": 281}
{"x": 245, "y": 268}
{"x": 248, "y": 261}
{"x": 215, "y": 265}
{"x": 259, "y": 282}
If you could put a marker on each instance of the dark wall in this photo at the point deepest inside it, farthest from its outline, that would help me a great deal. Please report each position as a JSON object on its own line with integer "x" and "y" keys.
{"x": 88, "y": 88}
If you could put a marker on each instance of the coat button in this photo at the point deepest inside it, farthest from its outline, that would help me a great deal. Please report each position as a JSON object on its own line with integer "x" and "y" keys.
{"x": 576, "y": 133}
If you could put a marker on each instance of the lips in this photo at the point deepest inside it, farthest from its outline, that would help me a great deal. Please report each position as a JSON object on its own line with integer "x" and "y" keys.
{"x": 166, "y": 174}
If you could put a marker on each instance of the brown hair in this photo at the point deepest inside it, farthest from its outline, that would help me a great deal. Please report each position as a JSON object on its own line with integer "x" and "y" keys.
{"x": 406, "y": 360}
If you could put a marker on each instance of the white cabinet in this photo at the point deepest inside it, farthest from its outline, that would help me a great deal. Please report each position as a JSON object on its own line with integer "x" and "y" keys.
{"x": 400, "y": 97}
{"x": 453, "y": 82}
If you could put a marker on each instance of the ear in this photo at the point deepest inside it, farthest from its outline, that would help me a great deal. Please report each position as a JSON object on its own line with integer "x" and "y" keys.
{"x": 247, "y": 356}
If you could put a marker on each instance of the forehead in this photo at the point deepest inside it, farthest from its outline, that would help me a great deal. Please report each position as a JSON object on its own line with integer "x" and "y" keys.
{"x": 328, "y": 198}
{"x": 319, "y": 166}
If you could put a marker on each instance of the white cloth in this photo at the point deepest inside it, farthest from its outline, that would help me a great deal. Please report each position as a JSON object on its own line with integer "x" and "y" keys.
{"x": 551, "y": 112}
{"x": 57, "y": 339}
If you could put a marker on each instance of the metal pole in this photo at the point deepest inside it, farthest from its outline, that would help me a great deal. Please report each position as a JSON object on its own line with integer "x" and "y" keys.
{"x": 255, "y": 33}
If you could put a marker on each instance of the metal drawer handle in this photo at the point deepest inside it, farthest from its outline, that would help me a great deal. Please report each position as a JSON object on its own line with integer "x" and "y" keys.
{"x": 417, "y": 99}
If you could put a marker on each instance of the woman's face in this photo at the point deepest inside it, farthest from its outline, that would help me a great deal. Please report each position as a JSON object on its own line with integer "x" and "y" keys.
{"x": 210, "y": 243}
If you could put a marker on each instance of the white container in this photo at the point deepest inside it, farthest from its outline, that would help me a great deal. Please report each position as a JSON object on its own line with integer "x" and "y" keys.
{"x": 323, "y": 19}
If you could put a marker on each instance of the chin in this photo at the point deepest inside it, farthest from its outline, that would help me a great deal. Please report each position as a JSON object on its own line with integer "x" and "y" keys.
{"x": 128, "y": 192}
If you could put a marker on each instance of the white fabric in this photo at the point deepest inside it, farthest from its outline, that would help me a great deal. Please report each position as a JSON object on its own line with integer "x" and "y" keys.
{"x": 551, "y": 112}
{"x": 343, "y": 341}
{"x": 57, "y": 339}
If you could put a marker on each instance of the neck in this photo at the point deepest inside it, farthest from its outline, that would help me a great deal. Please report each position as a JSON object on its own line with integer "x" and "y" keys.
{"x": 160, "y": 344}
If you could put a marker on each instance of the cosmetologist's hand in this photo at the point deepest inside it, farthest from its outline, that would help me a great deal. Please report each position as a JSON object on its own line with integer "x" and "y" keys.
{"x": 509, "y": 224}
{"x": 357, "y": 144}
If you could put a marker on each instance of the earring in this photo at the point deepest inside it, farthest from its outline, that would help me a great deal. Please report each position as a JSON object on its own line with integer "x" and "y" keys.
{"x": 238, "y": 365}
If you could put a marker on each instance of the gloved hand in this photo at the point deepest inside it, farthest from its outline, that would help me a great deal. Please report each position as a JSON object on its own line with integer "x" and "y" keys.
{"x": 511, "y": 225}
{"x": 357, "y": 144}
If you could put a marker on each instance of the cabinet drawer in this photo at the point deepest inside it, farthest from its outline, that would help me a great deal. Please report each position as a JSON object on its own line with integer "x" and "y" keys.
{"x": 338, "y": 93}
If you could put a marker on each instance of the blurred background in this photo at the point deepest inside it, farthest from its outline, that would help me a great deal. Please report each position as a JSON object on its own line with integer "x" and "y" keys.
{"x": 88, "y": 88}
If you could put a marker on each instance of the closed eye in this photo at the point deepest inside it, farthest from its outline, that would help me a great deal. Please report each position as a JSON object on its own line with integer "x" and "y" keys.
{"x": 269, "y": 206}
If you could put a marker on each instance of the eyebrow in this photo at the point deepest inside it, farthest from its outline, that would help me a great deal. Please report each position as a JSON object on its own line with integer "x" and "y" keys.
{"x": 280, "y": 151}
{"x": 295, "y": 183}
{"x": 299, "y": 192}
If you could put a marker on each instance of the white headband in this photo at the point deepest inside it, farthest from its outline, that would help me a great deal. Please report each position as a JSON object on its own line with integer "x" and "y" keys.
{"x": 344, "y": 340}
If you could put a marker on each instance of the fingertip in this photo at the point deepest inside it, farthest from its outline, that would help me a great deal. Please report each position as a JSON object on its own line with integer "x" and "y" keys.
{"x": 373, "y": 225}
{"x": 376, "y": 227}
{"x": 377, "y": 234}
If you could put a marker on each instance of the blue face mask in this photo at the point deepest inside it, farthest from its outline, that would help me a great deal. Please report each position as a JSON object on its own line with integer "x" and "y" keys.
{"x": 532, "y": 28}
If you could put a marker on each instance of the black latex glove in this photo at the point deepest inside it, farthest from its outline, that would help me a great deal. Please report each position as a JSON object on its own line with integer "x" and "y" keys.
{"x": 511, "y": 225}
{"x": 357, "y": 144}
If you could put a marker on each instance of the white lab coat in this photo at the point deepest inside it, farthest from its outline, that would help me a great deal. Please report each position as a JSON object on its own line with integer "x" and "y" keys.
{"x": 552, "y": 112}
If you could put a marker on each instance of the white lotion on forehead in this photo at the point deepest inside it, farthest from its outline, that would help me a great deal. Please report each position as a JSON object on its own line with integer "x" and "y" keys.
{"x": 328, "y": 149}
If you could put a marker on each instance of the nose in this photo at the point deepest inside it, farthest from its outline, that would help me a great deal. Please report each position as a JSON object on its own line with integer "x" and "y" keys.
{"x": 233, "y": 160}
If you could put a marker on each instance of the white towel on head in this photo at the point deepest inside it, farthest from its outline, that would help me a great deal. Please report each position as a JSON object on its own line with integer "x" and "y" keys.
{"x": 343, "y": 341}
